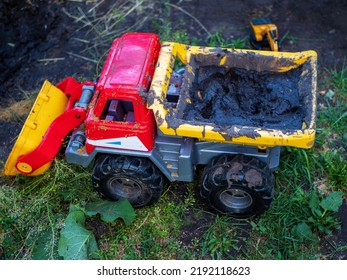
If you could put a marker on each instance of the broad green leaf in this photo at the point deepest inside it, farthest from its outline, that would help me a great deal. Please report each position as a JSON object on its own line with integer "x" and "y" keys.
{"x": 111, "y": 210}
{"x": 314, "y": 201}
{"x": 302, "y": 231}
{"x": 317, "y": 212}
{"x": 44, "y": 247}
{"x": 332, "y": 202}
{"x": 76, "y": 242}
{"x": 75, "y": 207}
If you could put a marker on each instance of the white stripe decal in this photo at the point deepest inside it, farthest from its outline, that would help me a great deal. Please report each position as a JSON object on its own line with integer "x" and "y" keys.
{"x": 129, "y": 143}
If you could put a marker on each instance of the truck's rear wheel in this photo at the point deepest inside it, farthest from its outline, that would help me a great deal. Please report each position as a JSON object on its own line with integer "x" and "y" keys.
{"x": 121, "y": 177}
{"x": 239, "y": 186}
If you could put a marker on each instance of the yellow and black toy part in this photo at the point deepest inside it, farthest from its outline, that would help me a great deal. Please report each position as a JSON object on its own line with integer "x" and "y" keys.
{"x": 264, "y": 35}
{"x": 170, "y": 121}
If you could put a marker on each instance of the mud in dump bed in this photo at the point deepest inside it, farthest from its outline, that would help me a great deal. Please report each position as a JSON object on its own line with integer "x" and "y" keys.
{"x": 236, "y": 96}
{"x": 240, "y": 96}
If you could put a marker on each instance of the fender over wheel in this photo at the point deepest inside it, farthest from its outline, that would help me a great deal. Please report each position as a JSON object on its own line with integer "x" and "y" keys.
{"x": 132, "y": 178}
{"x": 237, "y": 185}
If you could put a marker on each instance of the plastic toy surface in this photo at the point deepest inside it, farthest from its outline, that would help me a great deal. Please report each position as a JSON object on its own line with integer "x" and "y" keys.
{"x": 53, "y": 115}
{"x": 144, "y": 121}
{"x": 257, "y": 117}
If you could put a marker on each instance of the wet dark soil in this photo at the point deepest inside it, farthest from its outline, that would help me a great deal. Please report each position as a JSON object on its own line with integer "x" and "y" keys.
{"x": 38, "y": 38}
{"x": 35, "y": 38}
{"x": 29, "y": 32}
{"x": 247, "y": 98}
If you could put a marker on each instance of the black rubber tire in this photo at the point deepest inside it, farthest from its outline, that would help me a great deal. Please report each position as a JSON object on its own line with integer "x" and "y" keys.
{"x": 132, "y": 178}
{"x": 237, "y": 185}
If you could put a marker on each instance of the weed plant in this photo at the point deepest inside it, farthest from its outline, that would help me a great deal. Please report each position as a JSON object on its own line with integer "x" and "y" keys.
{"x": 32, "y": 210}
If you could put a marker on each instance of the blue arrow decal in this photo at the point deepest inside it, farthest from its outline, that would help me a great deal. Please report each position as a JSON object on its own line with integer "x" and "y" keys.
{"x": 115, "y": 143}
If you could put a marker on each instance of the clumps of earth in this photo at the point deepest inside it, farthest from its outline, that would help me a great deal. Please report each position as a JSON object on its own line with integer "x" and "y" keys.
{"x": 237, "y": 96}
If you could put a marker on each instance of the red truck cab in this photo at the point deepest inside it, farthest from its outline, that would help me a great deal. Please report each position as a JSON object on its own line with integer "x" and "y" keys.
{"x": 118, "y": 117}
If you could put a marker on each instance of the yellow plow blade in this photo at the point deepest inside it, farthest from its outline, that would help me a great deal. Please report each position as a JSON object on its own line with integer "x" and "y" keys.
{"x": 49, "y": 104}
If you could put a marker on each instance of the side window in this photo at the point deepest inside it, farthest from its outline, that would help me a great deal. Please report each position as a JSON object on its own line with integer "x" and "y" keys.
{"x": 118, "y": 110}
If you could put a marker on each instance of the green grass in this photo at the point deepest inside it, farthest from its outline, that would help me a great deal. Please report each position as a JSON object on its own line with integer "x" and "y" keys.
{"x": 32, "y": 210}
{"x": 222, "y": 239}
{"x": 292, "y": 227}
{"x": 218, "y": 40}
{"x": 332, "y": 119}
{"x": 178, "y": 226}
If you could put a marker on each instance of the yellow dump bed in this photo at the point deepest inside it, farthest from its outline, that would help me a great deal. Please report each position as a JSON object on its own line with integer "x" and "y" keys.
{"x": 247, "y": 97}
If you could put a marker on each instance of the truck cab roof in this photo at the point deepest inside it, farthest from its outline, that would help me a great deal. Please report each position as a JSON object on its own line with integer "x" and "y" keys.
{"x": 127, "y": 58}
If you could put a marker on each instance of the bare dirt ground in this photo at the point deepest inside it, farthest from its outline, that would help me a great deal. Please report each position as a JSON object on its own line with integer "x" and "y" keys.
{"x": 41, "y": 40}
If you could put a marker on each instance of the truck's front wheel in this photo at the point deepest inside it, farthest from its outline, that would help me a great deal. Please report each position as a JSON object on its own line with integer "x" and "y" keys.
{"x": 238, "y": 186}
{"x": 121, "y": 177}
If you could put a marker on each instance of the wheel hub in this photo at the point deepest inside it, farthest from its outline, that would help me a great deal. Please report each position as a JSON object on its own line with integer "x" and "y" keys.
{"x": 125, "y": 187}
{"x": 237, "y": 199}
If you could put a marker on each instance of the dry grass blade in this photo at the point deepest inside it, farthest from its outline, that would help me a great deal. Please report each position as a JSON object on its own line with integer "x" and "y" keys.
{"x": 82, "y": 57}
{"x": 53, "y": 59}
{"x": 97, "y": 5}
{"x": 190, "y": 15}
{"x": 107, "y": 24}
{"x": 133, "y": 8}
{"x": 81, "y": 40}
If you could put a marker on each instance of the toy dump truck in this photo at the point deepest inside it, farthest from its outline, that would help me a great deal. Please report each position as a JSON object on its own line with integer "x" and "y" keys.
{"x": 264, "y": 35}
{"x": 145, "y": 120}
